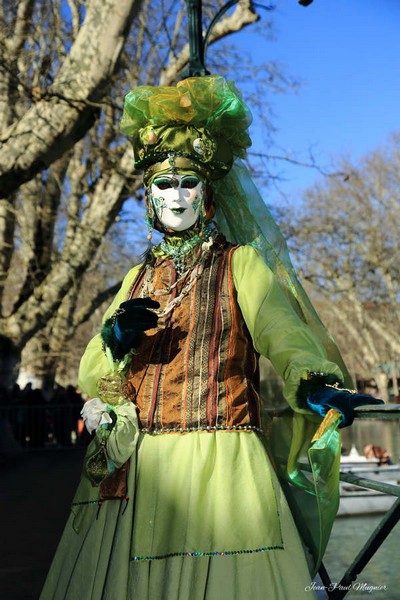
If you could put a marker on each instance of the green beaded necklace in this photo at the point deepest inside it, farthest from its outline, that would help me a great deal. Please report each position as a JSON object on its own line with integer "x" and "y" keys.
{"x": 179, "y": 253}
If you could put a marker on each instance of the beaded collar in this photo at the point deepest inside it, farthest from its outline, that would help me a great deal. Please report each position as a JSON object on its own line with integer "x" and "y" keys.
{"x": 186, "y": 274}
{"x": 179, "y": 247}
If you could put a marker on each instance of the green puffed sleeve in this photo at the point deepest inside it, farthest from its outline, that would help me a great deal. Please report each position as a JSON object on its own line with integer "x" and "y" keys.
{"x": 277, "y": 331}
{"x": 94, "y": 363}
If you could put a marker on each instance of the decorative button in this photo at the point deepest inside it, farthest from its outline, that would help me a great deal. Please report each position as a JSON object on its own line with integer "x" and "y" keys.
{"x": 199, "y": 146}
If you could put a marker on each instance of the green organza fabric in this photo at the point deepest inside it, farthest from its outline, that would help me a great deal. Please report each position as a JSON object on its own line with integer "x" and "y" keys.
{"x": 210, "y": 102}
{"x": 309, "y": 476}
{"x": 243, "y": 217}
{"x": 202, "y": 118}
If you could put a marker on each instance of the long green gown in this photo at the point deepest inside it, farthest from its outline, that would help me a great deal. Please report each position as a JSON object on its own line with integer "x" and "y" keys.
{"x": 207, "y": 517}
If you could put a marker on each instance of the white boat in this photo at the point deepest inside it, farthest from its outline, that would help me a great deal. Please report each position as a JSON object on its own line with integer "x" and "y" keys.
{"x": 355, "y": 500}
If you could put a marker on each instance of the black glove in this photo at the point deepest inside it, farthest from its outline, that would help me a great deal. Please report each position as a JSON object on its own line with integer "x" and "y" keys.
{"x": 343, "y": 401}
{"x": 124, "y": 330}
{"x": 134, "y": 317}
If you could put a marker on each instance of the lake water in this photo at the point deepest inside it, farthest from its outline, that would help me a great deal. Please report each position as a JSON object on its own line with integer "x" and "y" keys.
{"x": 381, "y": 577}
{"x": 381, "y": 433}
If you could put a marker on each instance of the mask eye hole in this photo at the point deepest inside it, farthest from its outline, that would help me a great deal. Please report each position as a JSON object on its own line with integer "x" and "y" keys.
{"x": 189, "y": 183}
{"x": 163, "y": 184}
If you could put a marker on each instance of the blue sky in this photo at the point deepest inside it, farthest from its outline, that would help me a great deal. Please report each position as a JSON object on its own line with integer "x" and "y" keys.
{"x": 346, "y": 54}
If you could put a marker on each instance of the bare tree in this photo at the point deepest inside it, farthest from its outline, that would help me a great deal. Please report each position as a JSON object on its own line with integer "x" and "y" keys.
{"x": 63, "y": 111}
{"x": 346, "y": 242}
{"x": 65, "y": 172}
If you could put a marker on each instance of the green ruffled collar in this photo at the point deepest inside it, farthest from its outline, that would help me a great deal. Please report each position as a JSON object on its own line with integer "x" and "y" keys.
{"x": 178, "y": 238}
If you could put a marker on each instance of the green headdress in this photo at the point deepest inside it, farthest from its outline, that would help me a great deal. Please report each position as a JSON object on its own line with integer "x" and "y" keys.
{"x": 200, "y": 124}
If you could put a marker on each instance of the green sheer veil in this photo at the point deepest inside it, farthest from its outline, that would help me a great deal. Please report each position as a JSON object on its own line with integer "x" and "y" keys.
{"x": 243, "y": 217}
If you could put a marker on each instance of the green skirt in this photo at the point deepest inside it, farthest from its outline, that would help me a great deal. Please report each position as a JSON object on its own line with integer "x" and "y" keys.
{"x": 206, "y": 519}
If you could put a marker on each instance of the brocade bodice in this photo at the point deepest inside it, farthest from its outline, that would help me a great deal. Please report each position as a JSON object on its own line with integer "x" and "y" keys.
{"x": 198, "y": 368}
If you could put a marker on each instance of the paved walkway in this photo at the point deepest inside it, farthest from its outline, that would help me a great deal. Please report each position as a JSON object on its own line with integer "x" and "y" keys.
{"x": 35, "y": 493}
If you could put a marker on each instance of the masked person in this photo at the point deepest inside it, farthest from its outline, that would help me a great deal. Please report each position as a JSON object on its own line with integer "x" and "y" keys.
{"x": 180, "y": 496}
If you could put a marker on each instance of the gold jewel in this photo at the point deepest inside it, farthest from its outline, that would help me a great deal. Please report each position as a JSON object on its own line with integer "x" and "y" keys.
{"x": 148, "y": 289}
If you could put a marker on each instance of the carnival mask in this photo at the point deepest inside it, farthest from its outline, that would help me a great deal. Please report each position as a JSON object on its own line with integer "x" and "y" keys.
{"x": 177, "y": 200}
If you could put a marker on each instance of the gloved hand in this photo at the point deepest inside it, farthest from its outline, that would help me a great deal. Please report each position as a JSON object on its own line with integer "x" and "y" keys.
{"x": 124, "y": 331}
{"x": 324, "y": 398}
{"x": 133, "y": 318}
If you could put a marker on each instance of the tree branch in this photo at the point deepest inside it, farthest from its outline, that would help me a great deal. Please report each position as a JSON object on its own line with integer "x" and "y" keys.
{"x": 21, "y": 27}
{"x": 106, "y": 202}
{"x": 52, "y": 126}
{"x": 82, "y": 315}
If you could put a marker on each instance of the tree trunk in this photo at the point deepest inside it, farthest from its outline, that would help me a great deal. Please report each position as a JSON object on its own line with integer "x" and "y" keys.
{"x": 66, "y": 111}
{"x": 10, "y": 360}
{"x": 382, "y": 382}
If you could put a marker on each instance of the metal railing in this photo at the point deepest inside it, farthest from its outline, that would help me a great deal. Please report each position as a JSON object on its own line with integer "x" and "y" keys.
{"x": 38, "y": 426}
{"x": 339, "y": 590}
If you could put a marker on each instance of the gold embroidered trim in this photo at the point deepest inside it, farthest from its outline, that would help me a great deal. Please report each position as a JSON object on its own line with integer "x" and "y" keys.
{"x": 335, "y": 386}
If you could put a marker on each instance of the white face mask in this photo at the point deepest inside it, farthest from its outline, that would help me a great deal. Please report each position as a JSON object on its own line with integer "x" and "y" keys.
{"x": 177, "y": 200}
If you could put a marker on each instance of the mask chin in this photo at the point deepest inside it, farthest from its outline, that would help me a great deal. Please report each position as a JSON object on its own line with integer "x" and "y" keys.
{"x": 170, "y": 227}
{"x": 178, "y": 225}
